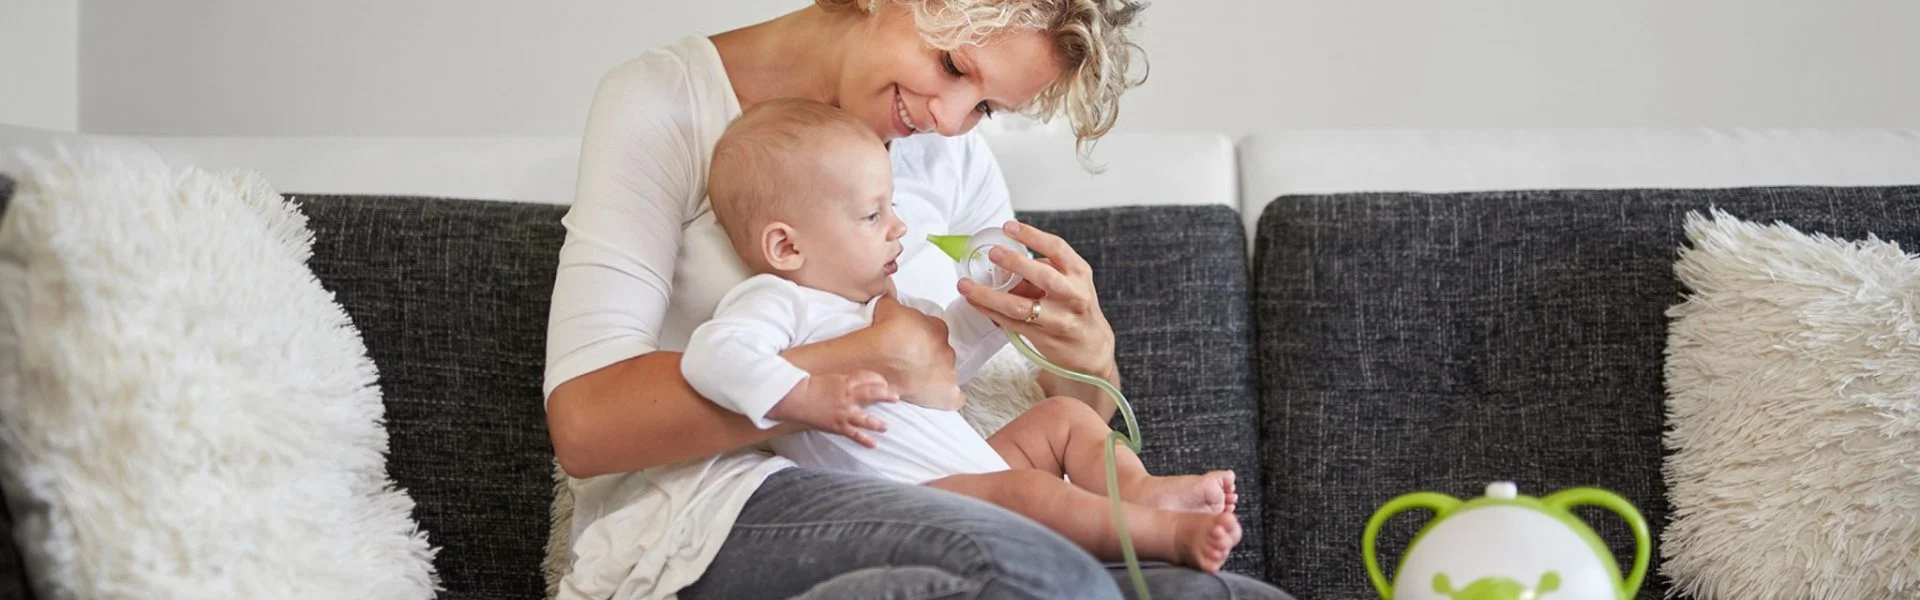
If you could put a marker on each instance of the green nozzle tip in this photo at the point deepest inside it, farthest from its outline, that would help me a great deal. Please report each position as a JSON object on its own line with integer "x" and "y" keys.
{"x": 954, "y": 245}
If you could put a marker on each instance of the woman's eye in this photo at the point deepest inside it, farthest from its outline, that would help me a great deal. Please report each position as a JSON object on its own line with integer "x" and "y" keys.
{"x": 986, "y": 110}
{"x": 946, "y": 60}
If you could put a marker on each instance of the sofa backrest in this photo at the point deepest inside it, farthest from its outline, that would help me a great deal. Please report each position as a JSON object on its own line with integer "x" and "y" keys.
{"x": 1411, "y": 342}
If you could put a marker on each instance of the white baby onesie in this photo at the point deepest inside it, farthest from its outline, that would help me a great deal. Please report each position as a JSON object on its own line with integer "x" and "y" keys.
{"x": 734, "y": 360}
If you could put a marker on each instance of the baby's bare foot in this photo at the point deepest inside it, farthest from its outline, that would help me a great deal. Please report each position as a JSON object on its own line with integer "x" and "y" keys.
{"x": 1209, "y": 493}
{"x": 1205, "y": 539}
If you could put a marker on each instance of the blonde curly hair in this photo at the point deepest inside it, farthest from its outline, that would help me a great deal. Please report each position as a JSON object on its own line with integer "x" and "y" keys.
{"x": 1089, "y": 36}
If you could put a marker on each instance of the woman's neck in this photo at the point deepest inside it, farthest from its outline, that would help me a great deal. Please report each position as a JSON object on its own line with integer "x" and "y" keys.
{"x": 795, "y": 56}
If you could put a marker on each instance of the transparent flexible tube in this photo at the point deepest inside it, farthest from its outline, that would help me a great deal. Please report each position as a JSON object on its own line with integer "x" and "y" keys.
{"x": 1131, "y": 438}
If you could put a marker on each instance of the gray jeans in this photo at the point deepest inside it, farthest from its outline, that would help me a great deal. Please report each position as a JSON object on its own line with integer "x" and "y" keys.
{"x": 814, "y": 534}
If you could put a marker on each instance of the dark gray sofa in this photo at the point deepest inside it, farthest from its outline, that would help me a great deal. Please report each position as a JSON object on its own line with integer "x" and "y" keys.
{"x": 1375, "y": 344}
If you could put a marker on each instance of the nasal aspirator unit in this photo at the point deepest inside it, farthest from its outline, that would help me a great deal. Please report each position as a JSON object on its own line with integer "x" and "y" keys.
{"x": 970, "y": 252}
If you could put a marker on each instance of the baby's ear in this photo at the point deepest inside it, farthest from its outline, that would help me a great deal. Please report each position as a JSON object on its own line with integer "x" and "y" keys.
{"x": 783, "y": 253}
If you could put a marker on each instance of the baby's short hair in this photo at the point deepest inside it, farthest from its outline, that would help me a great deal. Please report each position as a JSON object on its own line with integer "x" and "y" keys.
{"x": 766, "y": 156}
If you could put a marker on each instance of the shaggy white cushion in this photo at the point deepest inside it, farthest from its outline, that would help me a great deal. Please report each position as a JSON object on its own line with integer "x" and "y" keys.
{"x": 1001, "y": 390}
{"x": 1794, "y": 374}
{"x": 187, "y": 413}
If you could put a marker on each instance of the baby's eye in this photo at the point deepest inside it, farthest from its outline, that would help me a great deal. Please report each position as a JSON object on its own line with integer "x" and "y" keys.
{"x": 871, "y": 217}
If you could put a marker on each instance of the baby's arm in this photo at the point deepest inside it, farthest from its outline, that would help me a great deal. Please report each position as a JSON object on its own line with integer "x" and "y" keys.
{"x": 734, "y": 360}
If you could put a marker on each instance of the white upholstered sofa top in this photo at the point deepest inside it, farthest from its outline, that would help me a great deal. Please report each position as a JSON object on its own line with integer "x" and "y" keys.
{"x": 1041, "y": 169}
{"x": 1333, "y": 161}
{"x": 1144, "y": 168}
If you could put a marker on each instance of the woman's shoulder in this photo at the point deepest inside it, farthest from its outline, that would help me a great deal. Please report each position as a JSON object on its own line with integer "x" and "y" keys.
{"x": 686, "y": 74}
{"x": 651, "y": 130}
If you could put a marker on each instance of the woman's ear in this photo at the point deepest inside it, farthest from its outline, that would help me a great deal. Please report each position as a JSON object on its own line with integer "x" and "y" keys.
{"x": 783, "y": 252}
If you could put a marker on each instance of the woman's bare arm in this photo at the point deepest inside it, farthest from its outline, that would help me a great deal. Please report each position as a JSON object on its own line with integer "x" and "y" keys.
{"x": 640, "y": 412}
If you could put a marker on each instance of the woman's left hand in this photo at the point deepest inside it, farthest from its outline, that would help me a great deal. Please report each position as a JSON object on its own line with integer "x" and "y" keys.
{"x": 1055, "y": 305}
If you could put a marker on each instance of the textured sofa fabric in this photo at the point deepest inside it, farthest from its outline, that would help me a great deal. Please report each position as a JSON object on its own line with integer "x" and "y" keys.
{"x": 1438, "y": 342}
{"x": 1173, "y": 283}
{"x": 451, "y": 297}
{"x": 13, "y": 575}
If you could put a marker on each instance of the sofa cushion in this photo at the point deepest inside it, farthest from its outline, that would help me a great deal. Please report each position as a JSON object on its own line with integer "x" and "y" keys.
{"x": 1441, "y": 341}
{"x": 1173, "y": 283}
{"x": 451, "y": 297}
{"x": 180, "y": 393}
{"x": 1793, "y": 382}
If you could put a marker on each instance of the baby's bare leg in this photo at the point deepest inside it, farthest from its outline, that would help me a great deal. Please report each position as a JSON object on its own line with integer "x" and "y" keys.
{"x": 1064, "y": 436}
{"x": 1195, "y": 539}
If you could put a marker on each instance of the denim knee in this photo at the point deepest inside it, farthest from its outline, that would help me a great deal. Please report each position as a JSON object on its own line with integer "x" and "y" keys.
{"x": 1025, "y": 560}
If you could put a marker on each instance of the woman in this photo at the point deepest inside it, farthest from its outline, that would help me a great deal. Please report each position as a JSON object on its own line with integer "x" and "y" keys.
{"x": 669, "y": 498}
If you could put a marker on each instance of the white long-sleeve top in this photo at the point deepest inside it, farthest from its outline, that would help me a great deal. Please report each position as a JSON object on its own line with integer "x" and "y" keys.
{"x": 644, "y": 264}
{"x": 734, "y": 360}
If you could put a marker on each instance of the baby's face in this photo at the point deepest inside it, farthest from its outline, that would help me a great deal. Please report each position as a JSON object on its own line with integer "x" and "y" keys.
{"x": 850, "y": 235}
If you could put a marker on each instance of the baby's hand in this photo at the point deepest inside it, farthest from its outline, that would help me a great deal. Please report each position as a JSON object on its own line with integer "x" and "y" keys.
{"x": 947, "y": 397}
{"x": 836, "y": 404}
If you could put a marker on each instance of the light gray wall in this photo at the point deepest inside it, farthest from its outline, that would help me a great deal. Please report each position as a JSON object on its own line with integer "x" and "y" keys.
{"x": 39, "y": 74}
{"x": 503, "y": 67}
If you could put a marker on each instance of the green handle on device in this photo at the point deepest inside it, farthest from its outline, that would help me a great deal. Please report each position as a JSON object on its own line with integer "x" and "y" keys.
{"x": 1642, "y": 542}
{"x": 1440, "y": 504}
{"x": 954, "y": 246}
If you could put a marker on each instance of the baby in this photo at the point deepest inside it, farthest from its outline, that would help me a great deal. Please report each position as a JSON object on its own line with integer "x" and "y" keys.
{"x": 804, "y": 192}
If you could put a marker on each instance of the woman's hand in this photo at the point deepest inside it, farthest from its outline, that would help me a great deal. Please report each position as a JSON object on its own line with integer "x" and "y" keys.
{"x": 1055, "y": 307}
{"x": 916, "y": 359}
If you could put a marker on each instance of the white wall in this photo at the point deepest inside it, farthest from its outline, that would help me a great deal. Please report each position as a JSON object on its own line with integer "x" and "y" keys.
{"x": 501, "y": 67}
{"x": 38, "y": 69}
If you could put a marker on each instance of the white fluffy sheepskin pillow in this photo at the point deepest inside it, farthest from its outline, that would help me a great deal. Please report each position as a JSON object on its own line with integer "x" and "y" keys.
{"x": 187, "y": 413}
{"x": 1794, "y": 374}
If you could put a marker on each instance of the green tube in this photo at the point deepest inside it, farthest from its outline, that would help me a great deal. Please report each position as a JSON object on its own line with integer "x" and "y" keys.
{"x": 1131, "y": 438}
{"x": 955, "y": 246}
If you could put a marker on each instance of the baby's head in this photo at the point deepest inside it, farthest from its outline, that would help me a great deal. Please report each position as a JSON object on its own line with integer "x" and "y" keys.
{"x": 805, "y": 191}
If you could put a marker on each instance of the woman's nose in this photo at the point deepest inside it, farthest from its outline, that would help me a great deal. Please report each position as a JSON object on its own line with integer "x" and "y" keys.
{"x": 954, "y": 114}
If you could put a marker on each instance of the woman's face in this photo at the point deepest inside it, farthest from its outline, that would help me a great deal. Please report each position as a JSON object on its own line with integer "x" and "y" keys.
{"x": 901, "y": 87}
